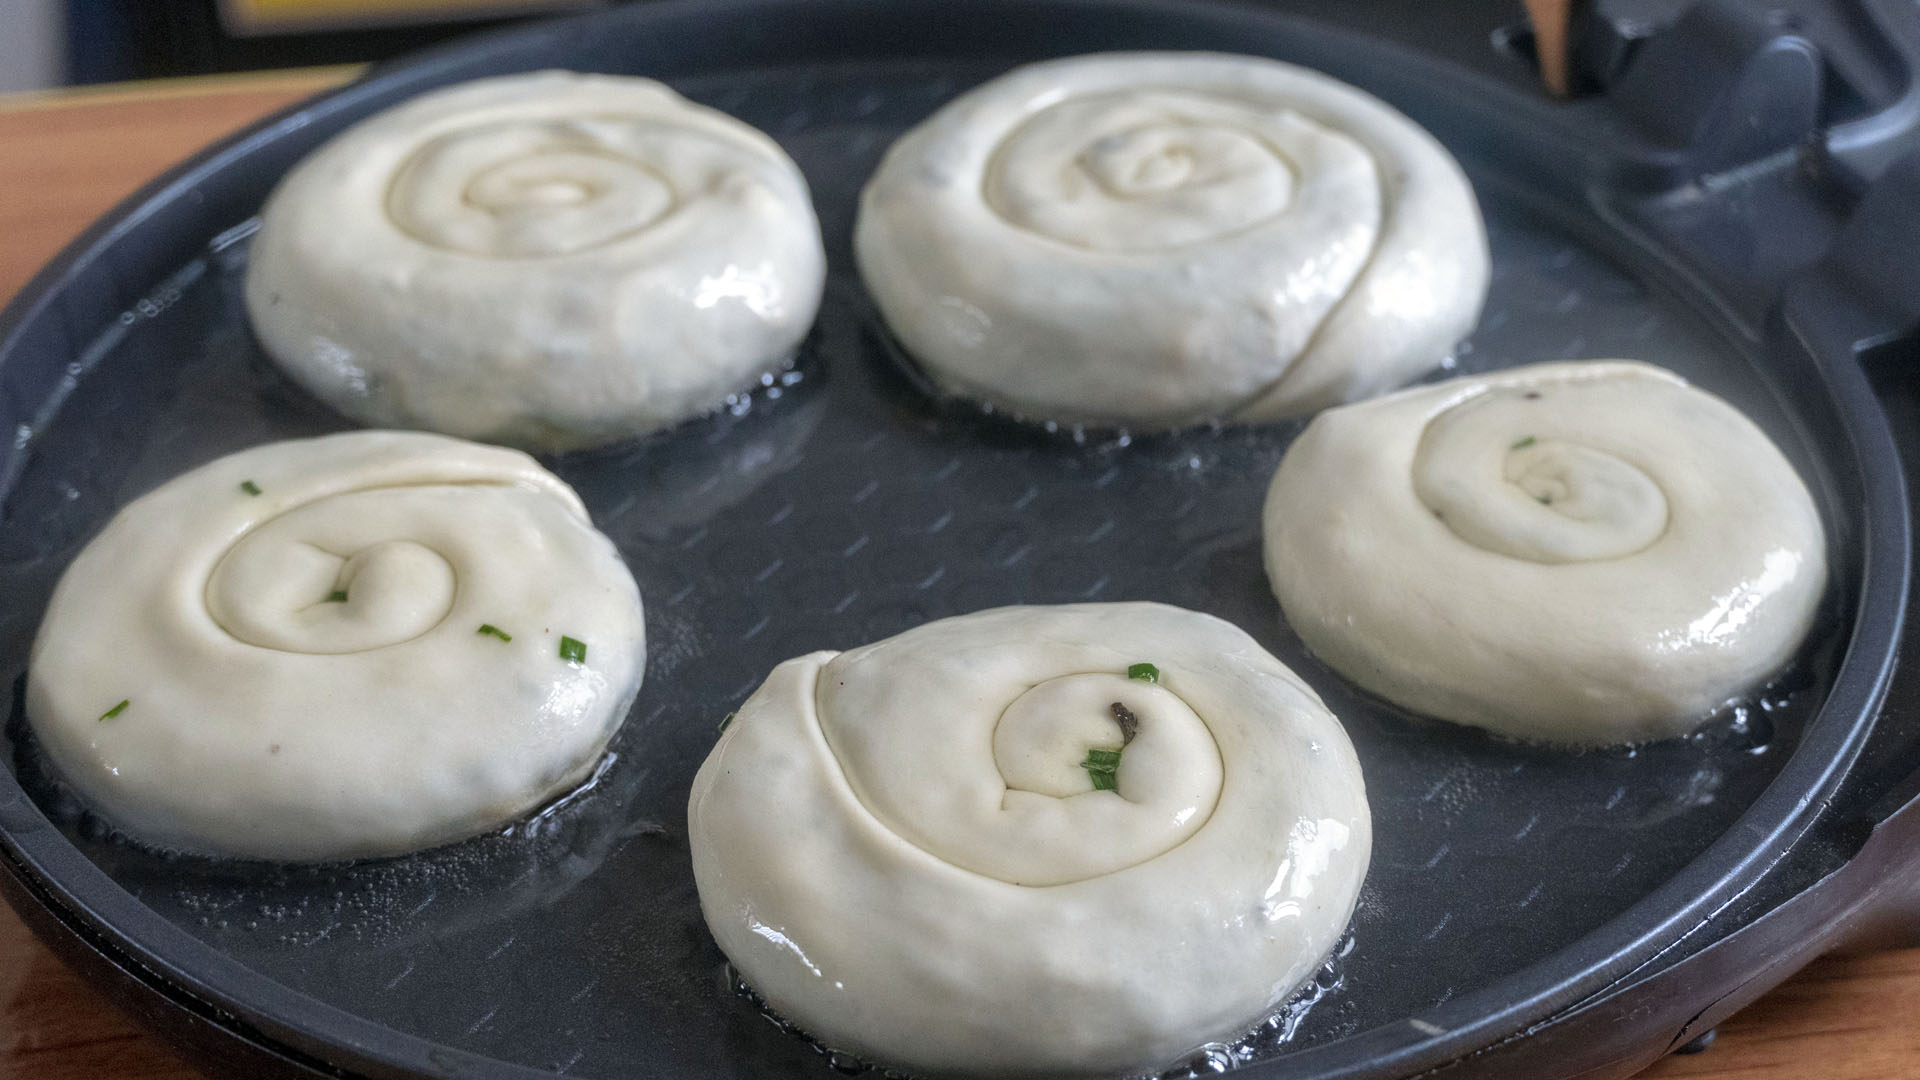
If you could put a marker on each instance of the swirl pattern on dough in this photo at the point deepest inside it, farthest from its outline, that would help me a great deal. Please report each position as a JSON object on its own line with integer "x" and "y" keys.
{"x": 549, "y": 260}
{"x": 901, "y": 847}
{"x": 1589, "y": 552}
{"x": 1159, "y": 239}
{"x": 532, "y": 188}
{"x": 295, "y": 631}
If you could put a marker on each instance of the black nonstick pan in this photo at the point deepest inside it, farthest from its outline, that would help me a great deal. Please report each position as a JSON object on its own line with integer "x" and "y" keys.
{"x": 1730, "y": 198}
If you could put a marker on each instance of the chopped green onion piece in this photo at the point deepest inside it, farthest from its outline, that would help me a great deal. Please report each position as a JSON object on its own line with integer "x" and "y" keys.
{"x": 337, "y": 596}
{"x": 494, "y": 631}
{"x": 116, "y": 710}
{"x": 573, "y": 650}
{"x": 1143, "y": 671}
{"x": 1545, "y": 500}
{"x": 249, "y": 487}
{"x": 727, "y": 721}
{"x": 1524, "y": 443}
{"x": 1101, "y": 766}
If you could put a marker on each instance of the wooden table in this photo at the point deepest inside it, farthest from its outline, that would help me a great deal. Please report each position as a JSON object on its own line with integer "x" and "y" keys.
{"x": 65, "y": 158}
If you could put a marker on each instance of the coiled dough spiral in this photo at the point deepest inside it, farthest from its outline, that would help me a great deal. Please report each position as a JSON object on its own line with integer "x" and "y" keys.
{"x": 899, "y": 847}
{"x": 299, "y": 674}
{"x": 548, "y": 260}
{"x": 1589, "y": 552}
{"x": 1158, "y": 239}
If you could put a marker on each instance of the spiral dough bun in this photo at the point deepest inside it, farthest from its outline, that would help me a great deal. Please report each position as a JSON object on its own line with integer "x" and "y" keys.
{"x": 1591, "y": 552}
{"x": 1157, "y": 239}
{"x": 546, "y": 260}
{"x": 299, "y": 673}
{"x": 900, "y": 849}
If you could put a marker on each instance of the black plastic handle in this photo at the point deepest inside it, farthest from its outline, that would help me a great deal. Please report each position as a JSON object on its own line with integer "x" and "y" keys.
{"x": 1865, "y": 295}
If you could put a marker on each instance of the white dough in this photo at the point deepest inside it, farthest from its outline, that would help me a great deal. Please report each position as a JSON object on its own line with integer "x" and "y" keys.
{"x": 1591, "y": 552}
{"x": 263, "y": 719}
{"x": 1158, "y": 239}
{"x": 898, "y": 848}
{"x": 547, "y": 260}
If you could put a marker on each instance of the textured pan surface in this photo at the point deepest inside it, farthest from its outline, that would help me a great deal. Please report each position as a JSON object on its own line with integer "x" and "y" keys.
{"x": 841, "y": 506}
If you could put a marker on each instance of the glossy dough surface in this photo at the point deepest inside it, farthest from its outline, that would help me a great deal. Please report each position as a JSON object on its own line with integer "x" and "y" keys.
{"x": 1158, "y": 239}
{"x": 548, "y": 260}
{"x": 267, "y": 716}
{"x": 1589, "y": 552}
{"x": 898, "y": 847}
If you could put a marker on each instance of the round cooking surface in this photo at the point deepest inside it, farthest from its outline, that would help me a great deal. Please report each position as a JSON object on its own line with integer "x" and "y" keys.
{"x": 841, "y": 503}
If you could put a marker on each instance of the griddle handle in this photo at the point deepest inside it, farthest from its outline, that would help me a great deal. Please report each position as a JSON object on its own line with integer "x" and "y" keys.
{"x": 1863, "y": 299}
{"x": 1725, "y": 84}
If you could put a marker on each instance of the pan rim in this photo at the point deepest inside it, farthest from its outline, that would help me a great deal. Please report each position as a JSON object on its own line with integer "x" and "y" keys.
{"x": 1766, "y": 830}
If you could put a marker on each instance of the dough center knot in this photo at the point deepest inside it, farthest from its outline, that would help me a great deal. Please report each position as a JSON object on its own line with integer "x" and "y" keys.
{"x": 528, "y": 188}
{"x": 1534, "y": 474}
